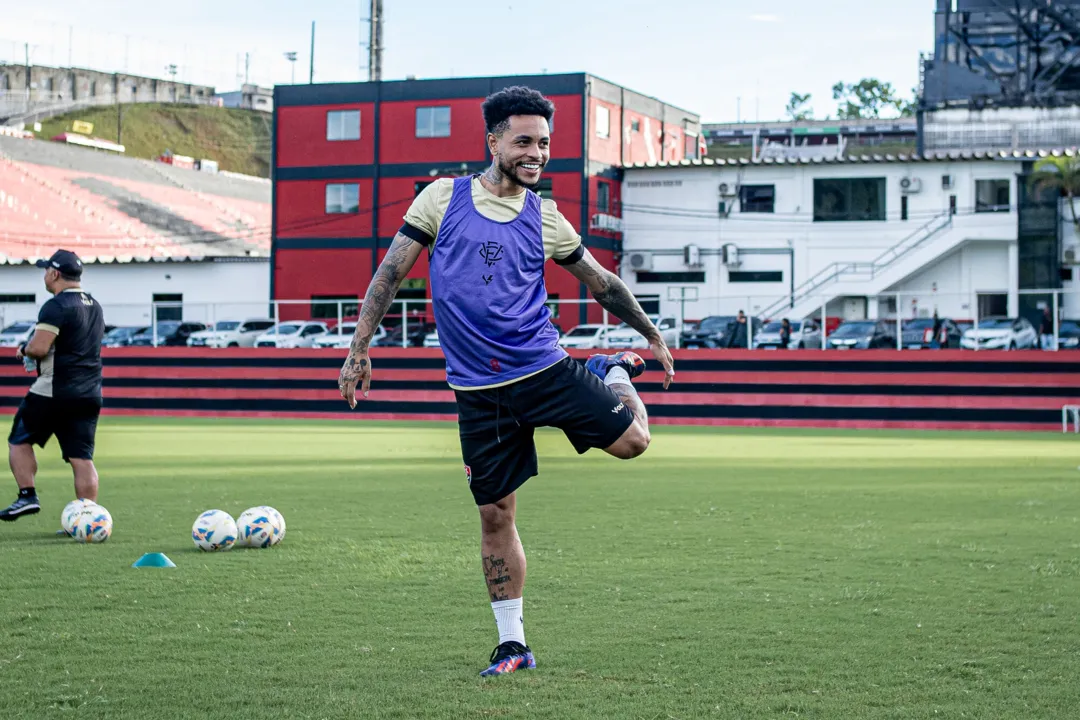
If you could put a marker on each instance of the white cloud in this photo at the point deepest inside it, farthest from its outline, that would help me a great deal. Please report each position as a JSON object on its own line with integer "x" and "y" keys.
{"x": 765, "y": 18}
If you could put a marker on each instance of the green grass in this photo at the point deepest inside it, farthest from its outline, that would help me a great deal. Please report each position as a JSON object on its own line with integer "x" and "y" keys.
{"x": 238, "y": 139}
{"x": 725, "y": 574}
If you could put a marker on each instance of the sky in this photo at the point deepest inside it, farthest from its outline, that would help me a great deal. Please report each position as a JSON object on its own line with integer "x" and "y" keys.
{"x": 722, "y": 59}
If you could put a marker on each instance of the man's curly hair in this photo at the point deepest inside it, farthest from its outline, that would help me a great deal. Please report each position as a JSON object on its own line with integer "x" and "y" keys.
{"x": 516, "y": 100}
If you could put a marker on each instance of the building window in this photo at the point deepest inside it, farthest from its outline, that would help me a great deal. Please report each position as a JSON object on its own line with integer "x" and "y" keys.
{"x": 342, "y": 198}
{"x": 603, "y": 197}
{"x": 553, "y": 304}
{"x": 543, "y": 188}
{"x": 93, "y": 87}
{"x": 419, "y": 185}
{"x": 343, "y": 125}
{"x": 849, "y": 200}
{"x": 671, "y": 277}
{"x": 603, "y": 122}
{"x": 325, "y": 307}
{"x": 168, "y": 306}
{"x": 759, "y": 276}
{"x": 649, "y": 303}
{"x": 903, "y": 207}
{"x": 757, "y": 198}
{"x": 432, "y": 122}
{"x": 12, "y": 299}
{"x": 991, "y": 196}
{"x": 635, "y": 125}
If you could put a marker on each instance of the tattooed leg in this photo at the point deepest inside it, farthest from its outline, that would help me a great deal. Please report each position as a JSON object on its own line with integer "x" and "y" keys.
{"x": 500, "y": 548}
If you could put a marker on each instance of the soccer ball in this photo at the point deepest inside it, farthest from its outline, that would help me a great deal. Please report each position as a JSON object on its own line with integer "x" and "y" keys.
{"x": 91, "y": 524}
{"x": 70, "y": 512}
{"x": 214, "y": 530}
{"x": 260, "y": 527}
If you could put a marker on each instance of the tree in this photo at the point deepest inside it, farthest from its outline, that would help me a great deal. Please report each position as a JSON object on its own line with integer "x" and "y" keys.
{"x": 798, "y": 107}
{"x": 866, "y": 99}
{"x": 1061, "y": 174}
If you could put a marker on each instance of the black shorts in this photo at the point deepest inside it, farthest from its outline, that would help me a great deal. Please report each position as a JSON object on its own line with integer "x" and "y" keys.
{"x": 72, "y": 420}
{"x": 496, "y": 425}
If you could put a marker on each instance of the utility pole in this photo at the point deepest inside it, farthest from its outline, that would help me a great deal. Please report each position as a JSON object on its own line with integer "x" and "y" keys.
{"x": 375, "y": 46}
{"x": 247, "y": 66}
{"x": 311, "y": 68}
{"x": 291, "y": 57}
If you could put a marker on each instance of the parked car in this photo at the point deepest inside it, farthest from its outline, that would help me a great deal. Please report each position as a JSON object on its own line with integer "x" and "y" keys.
{"x": 121, "y": 336}
{"x": 431, "y": 340}
{"x": 585, "y": 336}
{"x": 294, "y": 334}
{"x": 863, "y": 335}
{"x": 918, "y": 333}
{"x": 231, "y": 333}
{"x": 804, "y": 334}
{"x": 169, "y": 333}
{"x": 17, "y": 333}
{"x": 1001, "y": 333}
{"x": 1068, "y": 337}
{"x": 709, "y": 333}
{"x": 624, "y": 336}
{"x": 342, "y": 336}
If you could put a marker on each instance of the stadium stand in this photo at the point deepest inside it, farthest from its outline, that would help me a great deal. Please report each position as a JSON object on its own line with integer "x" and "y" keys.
{"x": 110, "y": 206}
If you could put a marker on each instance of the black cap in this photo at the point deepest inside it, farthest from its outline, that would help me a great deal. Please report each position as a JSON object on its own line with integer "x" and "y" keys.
{"x": 67, "y": 262}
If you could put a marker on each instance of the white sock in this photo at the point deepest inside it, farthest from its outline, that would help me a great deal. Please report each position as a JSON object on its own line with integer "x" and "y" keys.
{"x": 617, "y": 376}
{"x": 509, "y": 618}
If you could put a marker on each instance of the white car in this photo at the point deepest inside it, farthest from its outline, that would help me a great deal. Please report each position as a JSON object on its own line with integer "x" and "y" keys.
{"x": 342, "y": 335}
{"x": 1000, "y": 333}
{"x": 292, "y": 334}
{"x": 431, "y": 340}
{"x": 17, "y": 333}
{"x": 231, "y": 333}
{"x": 804, "y": 334}
{"x": 624, "y": 336}
{"x": 585, "y": 336}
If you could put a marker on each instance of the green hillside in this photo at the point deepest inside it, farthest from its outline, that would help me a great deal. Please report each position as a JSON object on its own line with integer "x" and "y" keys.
{"x": 239, "y": 140}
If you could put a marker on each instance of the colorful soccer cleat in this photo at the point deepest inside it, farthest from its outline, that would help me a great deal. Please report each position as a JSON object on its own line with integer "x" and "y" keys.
{"x": 508, "y": 657}
{"x": 599, "y": 365}
{"x": 21, "y": 506}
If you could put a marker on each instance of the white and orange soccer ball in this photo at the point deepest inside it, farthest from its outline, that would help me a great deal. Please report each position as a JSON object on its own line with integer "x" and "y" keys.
{"x": 260, "y": 527}
{"x": 214, "y": 530}
{"x": 91, "y": 524}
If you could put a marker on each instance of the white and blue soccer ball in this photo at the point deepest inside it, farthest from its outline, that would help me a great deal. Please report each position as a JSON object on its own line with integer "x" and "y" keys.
{"x": 214, "y": 530}
{"x": 70, "y": 512}
{"x": 92, "y": 524}
{"x": 260, "y": 527}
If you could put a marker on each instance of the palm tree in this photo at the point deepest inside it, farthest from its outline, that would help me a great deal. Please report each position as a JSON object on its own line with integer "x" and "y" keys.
{"x": 1061, "y": 174}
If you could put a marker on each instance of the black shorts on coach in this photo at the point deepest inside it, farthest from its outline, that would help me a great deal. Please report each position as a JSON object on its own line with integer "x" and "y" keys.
{"x": 496, "y": 425}
{"x": 72, "y": 420}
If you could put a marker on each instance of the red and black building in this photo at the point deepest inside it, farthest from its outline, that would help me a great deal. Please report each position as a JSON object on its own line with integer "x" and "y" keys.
{"x": 349, "y": 158}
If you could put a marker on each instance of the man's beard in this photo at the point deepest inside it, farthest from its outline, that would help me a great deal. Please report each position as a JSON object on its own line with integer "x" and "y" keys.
{"x": 509, "y": 171}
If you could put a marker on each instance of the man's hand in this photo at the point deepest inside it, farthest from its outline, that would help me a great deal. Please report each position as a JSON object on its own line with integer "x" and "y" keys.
{"x": 357, "y": 369}
{"x": 660, "y": 352}
{"x": 19, "y": 354}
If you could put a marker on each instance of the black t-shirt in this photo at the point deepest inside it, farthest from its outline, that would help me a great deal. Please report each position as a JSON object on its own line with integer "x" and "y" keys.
{"x": 73, "y": 367}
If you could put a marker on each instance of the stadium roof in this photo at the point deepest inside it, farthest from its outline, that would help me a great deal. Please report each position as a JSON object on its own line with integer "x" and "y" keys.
{"x": 936, "y": 156}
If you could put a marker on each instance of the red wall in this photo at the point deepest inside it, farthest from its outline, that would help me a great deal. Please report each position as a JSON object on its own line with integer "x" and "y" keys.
{"x": 302, "y": 139}
{"x": 301, "y": 210}
{"x": 605, "y": 150}
{"x": 397, "y": 136}
{"x": 301, "y": 273}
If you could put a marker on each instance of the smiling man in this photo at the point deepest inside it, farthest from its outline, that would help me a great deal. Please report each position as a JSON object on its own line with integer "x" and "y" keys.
{"x": 489, "y": 237}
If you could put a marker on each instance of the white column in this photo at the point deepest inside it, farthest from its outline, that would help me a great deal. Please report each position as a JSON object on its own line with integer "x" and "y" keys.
{"x": 872, "y": 308}
{"x": 1014, "y": 279}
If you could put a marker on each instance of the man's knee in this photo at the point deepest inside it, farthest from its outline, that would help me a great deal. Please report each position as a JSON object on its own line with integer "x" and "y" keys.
{"x": 496, "y": 517}
{"x": 631, "y": 444}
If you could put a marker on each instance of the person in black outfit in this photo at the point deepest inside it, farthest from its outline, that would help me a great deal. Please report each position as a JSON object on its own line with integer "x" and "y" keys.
{"x": 65, "y": 399}
{"x": 736, "y": 335}
{"x": 785, "y": 334}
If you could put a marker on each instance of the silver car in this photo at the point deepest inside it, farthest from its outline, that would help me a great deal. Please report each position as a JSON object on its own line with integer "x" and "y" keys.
{"x": 804, "y": 334}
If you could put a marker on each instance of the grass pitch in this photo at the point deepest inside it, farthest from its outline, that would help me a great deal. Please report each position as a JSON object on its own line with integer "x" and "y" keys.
{"x": 726, "y": 574}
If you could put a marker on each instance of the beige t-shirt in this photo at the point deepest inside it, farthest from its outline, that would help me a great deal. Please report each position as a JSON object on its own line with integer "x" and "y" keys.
{"x": 429, "y": 207}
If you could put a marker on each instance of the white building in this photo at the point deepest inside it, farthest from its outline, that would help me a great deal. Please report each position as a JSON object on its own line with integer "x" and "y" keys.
{"x": 201, "y": 290}
{"x": 866, "y": 237}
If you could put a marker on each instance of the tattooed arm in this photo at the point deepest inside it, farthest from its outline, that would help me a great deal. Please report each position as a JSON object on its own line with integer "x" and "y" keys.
{"x": 613, "y": 295}
{"x": 395, "y": 266}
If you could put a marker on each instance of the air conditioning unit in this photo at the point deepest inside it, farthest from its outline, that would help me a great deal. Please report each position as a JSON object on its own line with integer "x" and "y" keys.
{"x": 1071, "y": 256}
{"x": 910, "y": 185}
{"x": 947, "y": 182}
{"x": 728, "y": 190}
{"x": 640, "y": 261}
{"x": 730, "y": 253}
{"x": 691, "y": 256}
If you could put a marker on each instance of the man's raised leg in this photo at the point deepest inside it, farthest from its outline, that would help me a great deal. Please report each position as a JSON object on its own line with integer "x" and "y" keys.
{"x": 504, "y": 573}
{"x": 616, "y": 371}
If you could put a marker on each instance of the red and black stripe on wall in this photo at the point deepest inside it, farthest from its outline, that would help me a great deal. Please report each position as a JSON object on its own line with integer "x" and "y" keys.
{"x": 947, "y": 389}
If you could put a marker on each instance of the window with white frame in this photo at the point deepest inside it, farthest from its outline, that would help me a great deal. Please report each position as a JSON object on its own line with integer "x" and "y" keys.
{"x": 342, "y": 198}
{"x": 433, "y": 122}
{"x": 343, "y": 125}
{"x": 603, "y": 122}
